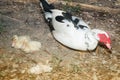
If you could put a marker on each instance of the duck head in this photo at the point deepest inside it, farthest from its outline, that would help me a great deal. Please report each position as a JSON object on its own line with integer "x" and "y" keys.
{"x": 103, "y": 37}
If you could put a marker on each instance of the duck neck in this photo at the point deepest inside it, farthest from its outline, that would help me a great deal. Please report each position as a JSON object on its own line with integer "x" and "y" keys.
{"x": 95, "y": 33}
{"x": 91, "y": 40}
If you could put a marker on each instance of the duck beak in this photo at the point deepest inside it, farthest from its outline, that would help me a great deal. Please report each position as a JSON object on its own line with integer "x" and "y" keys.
{"x": 108, "y": 46}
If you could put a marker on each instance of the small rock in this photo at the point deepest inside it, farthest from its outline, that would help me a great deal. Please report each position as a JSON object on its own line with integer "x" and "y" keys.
{"x": 40, "y": 68}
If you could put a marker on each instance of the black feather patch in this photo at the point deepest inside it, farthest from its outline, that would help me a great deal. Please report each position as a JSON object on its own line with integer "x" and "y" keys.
{"x": 51, "y": 6}
{"x": 82, "y": 27}
{"x": 59, "y": 19}
{"x": 47, "y": 7}
{"x": 67, "y": 16}
{"x": 76, "y": 21}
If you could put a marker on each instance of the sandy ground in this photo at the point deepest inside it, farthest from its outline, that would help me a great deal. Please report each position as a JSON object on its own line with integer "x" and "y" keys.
{"x": 27, "y": 19}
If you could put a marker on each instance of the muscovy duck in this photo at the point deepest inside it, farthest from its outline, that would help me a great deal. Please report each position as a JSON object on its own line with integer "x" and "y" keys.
{"x": 72, "y": 31}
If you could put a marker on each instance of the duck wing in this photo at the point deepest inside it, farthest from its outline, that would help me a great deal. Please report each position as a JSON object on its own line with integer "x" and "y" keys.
{"x": 77, "y": 22}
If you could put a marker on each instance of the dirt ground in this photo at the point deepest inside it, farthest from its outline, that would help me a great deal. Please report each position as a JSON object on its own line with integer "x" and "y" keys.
{"x": 27, "y": 19}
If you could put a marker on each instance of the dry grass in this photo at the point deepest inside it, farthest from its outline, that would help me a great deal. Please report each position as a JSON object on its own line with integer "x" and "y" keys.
{"x": 14, "y": 66}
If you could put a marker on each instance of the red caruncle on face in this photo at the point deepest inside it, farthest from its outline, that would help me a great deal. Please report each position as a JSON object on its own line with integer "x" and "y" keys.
{"x": 105, "y": 39}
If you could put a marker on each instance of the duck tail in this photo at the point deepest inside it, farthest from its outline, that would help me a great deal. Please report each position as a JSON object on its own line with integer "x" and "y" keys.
{"x": 46, "y": 7}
